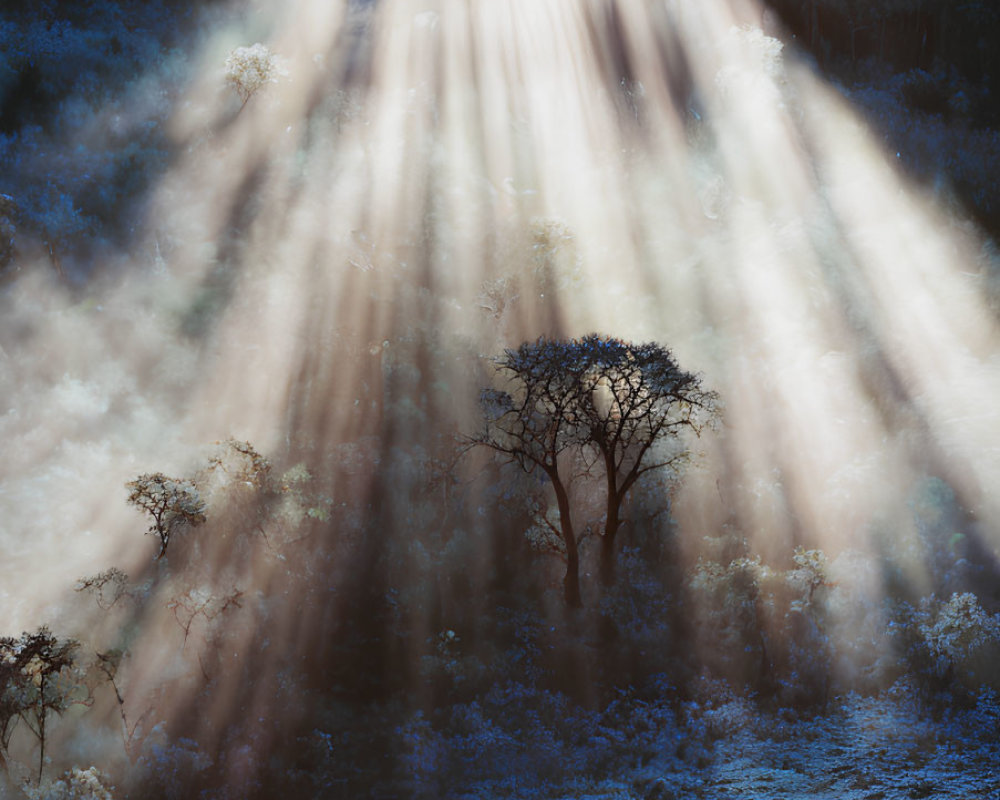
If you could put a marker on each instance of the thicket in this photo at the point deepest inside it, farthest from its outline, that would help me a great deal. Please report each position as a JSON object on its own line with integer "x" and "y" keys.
{"x": 436, "y": 653}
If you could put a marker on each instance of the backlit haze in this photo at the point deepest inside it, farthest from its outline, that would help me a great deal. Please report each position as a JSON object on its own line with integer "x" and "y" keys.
{"x": 325, "y": 272}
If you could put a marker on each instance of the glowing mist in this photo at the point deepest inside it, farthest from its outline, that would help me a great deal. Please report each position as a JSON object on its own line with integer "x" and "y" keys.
{"x": 418, "y": 190}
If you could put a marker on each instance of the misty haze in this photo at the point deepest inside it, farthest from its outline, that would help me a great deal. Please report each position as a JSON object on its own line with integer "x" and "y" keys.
{"x": 499, "y": 399}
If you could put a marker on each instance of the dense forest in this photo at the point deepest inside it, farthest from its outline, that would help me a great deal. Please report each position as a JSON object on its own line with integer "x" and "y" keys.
{"x": 486, "y": 399}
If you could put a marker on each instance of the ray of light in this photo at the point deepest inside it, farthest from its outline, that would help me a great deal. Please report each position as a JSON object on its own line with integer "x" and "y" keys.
{"x": 427, "y": 186}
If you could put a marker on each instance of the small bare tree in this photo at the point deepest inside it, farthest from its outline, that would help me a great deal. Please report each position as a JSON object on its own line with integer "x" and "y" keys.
{"x": 171, "y": 502}
{"x": 35, "y": 681}
{"x": 242, "y": 463}
{"x": 108, "y": 587}
{"x": 248, "y": 69}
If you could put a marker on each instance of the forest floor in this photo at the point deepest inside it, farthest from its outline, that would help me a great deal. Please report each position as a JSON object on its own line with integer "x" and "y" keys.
{"x": 861, "y": 749}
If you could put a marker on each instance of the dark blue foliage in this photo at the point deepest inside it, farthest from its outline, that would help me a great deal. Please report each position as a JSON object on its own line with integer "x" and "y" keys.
{"x": 77, "y": 156}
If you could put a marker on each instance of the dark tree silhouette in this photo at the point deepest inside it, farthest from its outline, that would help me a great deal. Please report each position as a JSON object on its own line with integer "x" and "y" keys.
{"x": 534, "y": 423}
{"x": 637, "y": 402}
{"x": 30, "y": 688}
{"x": 565, "y": 405}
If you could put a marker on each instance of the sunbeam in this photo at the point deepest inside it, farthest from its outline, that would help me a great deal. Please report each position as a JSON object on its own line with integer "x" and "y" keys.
{"x": 301, "y": 335}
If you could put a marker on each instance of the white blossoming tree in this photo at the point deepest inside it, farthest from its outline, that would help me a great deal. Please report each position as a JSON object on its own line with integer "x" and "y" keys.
{"x": 248, "y": 69}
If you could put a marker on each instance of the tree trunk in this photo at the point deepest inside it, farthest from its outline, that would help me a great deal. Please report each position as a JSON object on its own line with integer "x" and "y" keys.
{"x": 41, "y": 728}
{"x": 571, "y": 582}
{"x": 611, "y": 518}
{"x": 608, "y": 554}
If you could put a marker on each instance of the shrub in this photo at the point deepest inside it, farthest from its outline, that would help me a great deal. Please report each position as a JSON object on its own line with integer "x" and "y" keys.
{"x": 76, "y": 784}
{"x": 727, "y": 617}
{"x": 249, "y": 69}
{"x": 539, "y": 738}
{"x": 961, "y": 637}
{"x": 952, "y": 646}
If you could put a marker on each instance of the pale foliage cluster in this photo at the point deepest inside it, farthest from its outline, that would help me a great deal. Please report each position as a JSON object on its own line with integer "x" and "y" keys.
{"x": 544, "y": 539}
{"x": 240, "y": 462}
{"x": 752, "y": 63}
{"x": 76, "y": 784}
{"x": 733, "y": 715}
{"x": 810, "y": 574}
{"x": 544, "y": 535}
{"x": 764, "y": 50}
{"x": 248, "y": 69}
{"x": 961, "y": 628}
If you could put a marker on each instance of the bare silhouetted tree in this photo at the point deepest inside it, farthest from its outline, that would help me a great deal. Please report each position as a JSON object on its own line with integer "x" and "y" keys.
{"x": 533, "y": 422}
{"x": 635, "y": 405}
{"x": 567, "y": 406}
{"x": 33, "y": 683}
